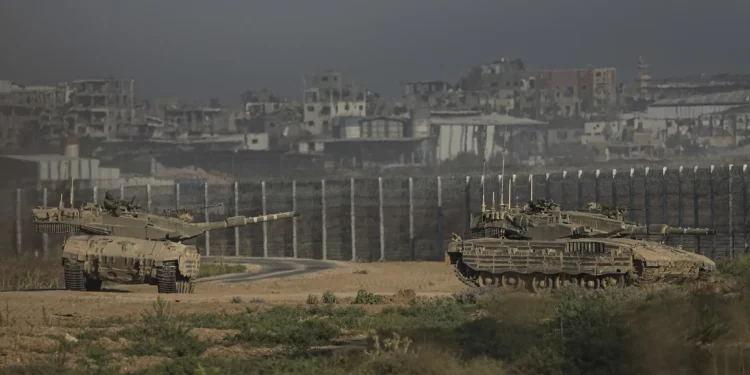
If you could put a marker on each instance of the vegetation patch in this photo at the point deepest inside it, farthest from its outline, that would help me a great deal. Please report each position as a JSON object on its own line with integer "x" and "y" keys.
{"x": 28, "y": 273}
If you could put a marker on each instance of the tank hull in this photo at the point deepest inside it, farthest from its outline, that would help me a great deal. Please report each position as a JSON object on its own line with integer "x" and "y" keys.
{"x": 90, "y": 259}
{"x": 590, "y": 263}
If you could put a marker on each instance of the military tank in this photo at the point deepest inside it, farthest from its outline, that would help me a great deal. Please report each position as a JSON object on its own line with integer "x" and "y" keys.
{"x": 126, "y": 246}
{"x": 543, "y": 247}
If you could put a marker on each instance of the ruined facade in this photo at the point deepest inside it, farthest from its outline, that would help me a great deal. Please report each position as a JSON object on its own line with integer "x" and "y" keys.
{"x": 31, "y": 113}
{"x": 102, "y": 107}
{"x": 593, "y": 88}
{"x": 329, "y": 95}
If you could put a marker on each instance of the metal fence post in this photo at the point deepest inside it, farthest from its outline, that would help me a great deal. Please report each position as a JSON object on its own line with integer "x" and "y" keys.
{"x": 696, "y": 217}
{"x": 352, "y": 217}
{"x": 19, "y": 240}
{"x": 631, "y": 194}
{"x": 265, "y": 223}
{"x": 467, "y": 204}
{"x": 382, "y": 223}
{"x": 440, "y": 214}
{"x": 713, "y": 209}
{"x": 531, "y": 187}
{"x": 411, "y": 219}
{"x": 323, "y": 218}
{"x": 177, "y": 196}
{"x": 236, "y": 213}
{"x": 731, "y": 215}
{"x": 45, "y": 237}
{"x": 614, "y": 187}
{"x": 680, "y": 208}
{"x": 646, "y": 196}
{"x": 580, "y": 189}
{"x": 744, "y": 206}
{"x": 597, "y": 193}
{"x": 205, "y": 211}
{"x": 664, "y": 195}
{"x": 148, "y": 198}
{"x": 294, "y": 219}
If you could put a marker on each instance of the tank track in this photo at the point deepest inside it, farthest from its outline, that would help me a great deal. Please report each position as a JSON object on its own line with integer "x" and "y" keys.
{"x": 469, "y": 282}
{"x": 167, "y": 281}
{"x": 74, "y": 278}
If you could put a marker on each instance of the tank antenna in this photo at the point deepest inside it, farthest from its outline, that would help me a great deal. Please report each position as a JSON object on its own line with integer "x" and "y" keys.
{"x": 502, "y": 182}
{"x": 493, "y": 201}
{"x": 484, "y": 168}
{"x": 71, "y": 184}
{"x": 502, "y": 172}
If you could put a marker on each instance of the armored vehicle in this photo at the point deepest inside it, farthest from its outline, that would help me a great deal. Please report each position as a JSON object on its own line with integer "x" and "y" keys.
{"x": 125, "y": 246}
{"x": 543, "y": 247}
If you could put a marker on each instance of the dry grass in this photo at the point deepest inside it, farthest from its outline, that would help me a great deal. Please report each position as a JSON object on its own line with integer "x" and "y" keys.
{"x": 27, "y": 272}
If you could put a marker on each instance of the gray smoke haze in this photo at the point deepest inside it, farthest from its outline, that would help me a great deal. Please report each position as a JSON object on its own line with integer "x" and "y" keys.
{"x": 196, "y": 49}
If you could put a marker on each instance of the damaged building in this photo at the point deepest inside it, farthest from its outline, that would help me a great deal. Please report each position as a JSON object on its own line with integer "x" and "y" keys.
{"x": 327, "y": 96}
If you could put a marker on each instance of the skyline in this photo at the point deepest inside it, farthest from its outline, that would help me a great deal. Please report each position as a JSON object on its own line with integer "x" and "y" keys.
{"x": 196, "y": 50}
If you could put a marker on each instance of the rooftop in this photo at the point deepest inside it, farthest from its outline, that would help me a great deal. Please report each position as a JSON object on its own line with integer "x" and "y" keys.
{"x": 45, "y": 157}
{"x": 490, "y": 120}
{"x": 730, "y": 97}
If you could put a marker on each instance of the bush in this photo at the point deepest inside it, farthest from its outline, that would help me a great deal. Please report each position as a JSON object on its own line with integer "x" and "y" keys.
{"x": 329, "y": 297}
{"x": 366, "y": 298}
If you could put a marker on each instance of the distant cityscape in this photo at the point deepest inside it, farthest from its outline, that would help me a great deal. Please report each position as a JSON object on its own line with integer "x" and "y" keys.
{"x": 98, "y": 129}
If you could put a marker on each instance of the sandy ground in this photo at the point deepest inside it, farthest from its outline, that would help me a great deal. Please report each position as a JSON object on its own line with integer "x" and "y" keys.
{"x": 425, "y": 278}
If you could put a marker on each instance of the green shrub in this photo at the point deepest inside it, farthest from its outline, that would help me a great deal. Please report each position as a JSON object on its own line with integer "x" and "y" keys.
{"x": 366, "y": 298}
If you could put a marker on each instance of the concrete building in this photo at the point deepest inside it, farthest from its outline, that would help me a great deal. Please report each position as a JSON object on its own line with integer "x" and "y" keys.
{"x": 593, "y": 87}
{"x": 424, "y": 87}
{"x": 195, "y": 119}
{"x": 463, "y": 131}
{"x": 102, "y": 107}
{"x": 693, "y": 107}
{"x": 329, "y": 95}
{"x": 35, "y": 112}
{"x": 265, "y": 102}
{"x": 500, "y": 74}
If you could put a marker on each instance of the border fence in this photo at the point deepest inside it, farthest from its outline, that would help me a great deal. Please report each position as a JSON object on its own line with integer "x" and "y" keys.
{"x": 399, "y": 219}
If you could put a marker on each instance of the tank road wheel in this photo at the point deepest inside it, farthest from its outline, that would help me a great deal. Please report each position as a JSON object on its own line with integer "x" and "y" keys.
{"x": 487, "y": 279}
{"x": 511, "y": 281}
{"x": 590, "y": 282}
{"x": 541, "y": 283}
{"x": 167, "y": 280}
{"x": 74, "y": 279}
{"x": 612, "y": 281}
{"x": 563, "y": 281}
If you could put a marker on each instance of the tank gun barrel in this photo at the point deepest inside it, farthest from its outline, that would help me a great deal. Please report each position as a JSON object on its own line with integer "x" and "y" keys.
{"x": 664, "y": 229}
{"x": 241, "y": 221}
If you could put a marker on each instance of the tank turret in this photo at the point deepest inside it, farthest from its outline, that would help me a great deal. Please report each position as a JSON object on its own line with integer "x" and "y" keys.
{"x": 92, "y": 219}
{"x": 544, "y": 248}
{"x": 123, "y": 245}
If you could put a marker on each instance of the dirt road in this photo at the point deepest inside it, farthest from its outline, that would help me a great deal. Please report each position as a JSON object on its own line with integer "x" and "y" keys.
{"x": 344, "y": 279}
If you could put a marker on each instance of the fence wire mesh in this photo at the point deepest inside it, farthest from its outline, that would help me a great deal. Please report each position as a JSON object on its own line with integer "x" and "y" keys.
{"x": 406, "y": 218}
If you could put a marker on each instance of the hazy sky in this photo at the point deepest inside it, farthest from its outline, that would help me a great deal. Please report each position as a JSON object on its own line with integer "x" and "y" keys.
{"x": 196, "y": 49}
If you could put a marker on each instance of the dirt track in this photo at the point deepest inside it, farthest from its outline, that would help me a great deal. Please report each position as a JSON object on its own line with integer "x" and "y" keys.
{"x": 425, "y": 278}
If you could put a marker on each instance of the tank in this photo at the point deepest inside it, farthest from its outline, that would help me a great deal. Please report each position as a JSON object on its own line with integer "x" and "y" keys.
{"x": 125, "y": 246}
{"x": 543, "y": 247}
